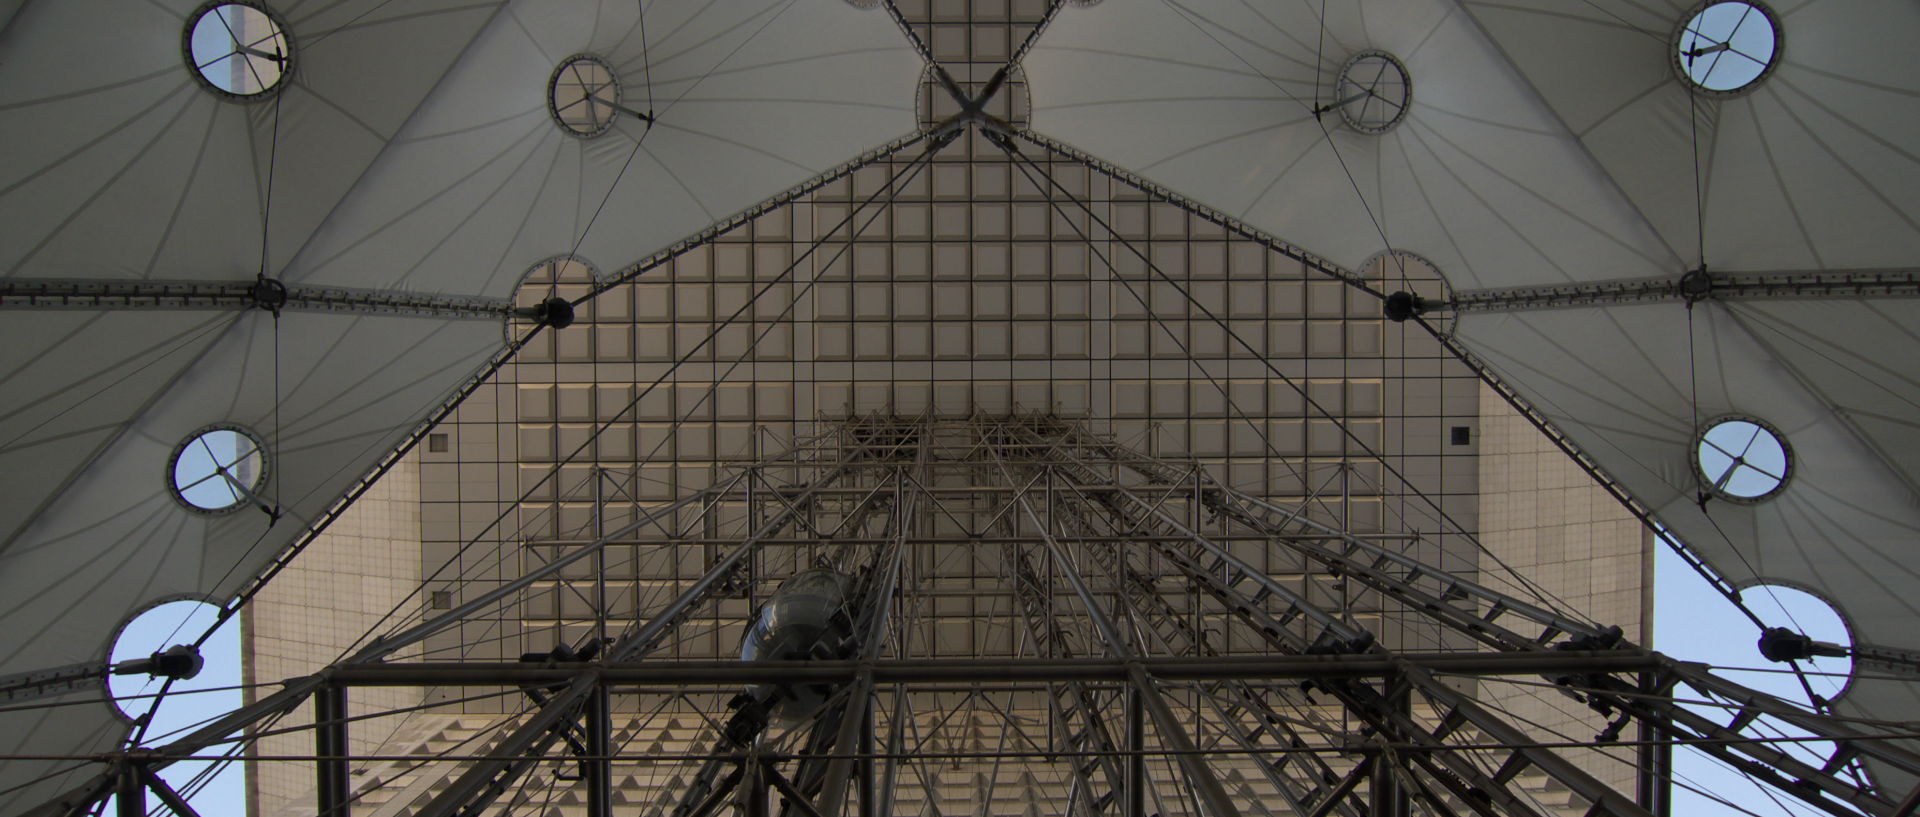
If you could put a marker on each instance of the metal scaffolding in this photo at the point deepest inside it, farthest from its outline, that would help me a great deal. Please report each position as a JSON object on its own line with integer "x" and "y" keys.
{"x": 1133, "y": 661}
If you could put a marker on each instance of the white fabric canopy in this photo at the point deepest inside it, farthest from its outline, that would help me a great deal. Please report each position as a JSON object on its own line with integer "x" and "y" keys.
{"x": 1548, "y": 143}
{"x": 414, "y": 157}
{"x": 1551, "y": 143}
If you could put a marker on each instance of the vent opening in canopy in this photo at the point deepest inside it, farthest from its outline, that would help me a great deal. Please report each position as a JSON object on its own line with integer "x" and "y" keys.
{"x": 210, "y": 687}
{"x": 583, "y": 95}
{"x": 1743, "y": 459}
{"x": 1373, "y": 92}
{"x": 217, "y": 469}
{"x": 239, "y": 49}
{"x": 1727, "y": 46}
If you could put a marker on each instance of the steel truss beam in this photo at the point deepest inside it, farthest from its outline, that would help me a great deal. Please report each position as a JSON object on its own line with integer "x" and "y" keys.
{"x": 1383, "y": 709}
{"x": 1693, "y": 286}
{"x": 1738, "y": 741}
{"x": 1074, "y": 706}
{"x": 1438, "y": 594}
{"x": 111, "y": 294}
{"x": 1206, "y": 786}
{"x": 484, "y": 781}
{"x": 1112, "y": 526}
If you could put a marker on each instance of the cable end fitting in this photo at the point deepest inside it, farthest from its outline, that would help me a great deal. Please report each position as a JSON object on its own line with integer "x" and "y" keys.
{"x": 1402, "y": 305}
{"x": 555, "y": 312}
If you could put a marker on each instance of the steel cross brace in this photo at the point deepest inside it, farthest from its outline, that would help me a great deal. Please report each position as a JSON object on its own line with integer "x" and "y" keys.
{"x": 475, "y": 788}
{"x": 1147, "y": 604}
{"x": 100, "y": 785}
{"x": 838, "y": 725}
{"x": 1371, "y": 706}
{"x": 1071, "y": 704}
{"x": 1306, "y": 793}
{"x": 1813, "y": 784}
{"x": 1206, "y": 786}
{"x": 1458, "y": 774}
{"x": 831, "y": 778}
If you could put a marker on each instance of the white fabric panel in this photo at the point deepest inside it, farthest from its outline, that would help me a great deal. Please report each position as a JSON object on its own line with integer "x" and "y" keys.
{"x": 74, "y": 380}
{"x": 751, "y": 98}
{"x": 116, "y": 539}
{"x": 1574, "y": 162}
{"x": 127, "y": 167}
{"x": 1213, "y": 99}
{"x": 8, "y": 8}
{"x": 80, "y": 729}
{"x": 1617, "y": 381}
{"x": 1808, "y": 171}
{"x": 1839, "y": 349}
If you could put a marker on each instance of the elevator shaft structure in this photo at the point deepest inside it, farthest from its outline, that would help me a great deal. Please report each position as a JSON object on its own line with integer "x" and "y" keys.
{"x": 1036, "y": 612}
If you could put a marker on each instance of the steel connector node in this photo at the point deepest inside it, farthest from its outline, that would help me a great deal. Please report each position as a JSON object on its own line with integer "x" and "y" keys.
{"x": 1780, "y": 645}
{"x": 555, "y": 312}
{"x": 180, "y": 662}
{"x": 1403, "y": 305}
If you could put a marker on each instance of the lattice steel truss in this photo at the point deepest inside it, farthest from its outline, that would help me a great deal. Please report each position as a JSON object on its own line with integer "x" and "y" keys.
{"x": 1134, "y": 661}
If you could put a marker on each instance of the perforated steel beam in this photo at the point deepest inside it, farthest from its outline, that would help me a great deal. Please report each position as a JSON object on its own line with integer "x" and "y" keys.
{"x": 109, "y": 294}
{"x": 1693, "y": 286}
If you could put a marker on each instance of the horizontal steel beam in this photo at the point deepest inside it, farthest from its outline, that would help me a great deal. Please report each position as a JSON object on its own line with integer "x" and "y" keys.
{"x": 1727, "y": 286}
{"x": 977, "y": 540}
{"x": 83, "y": 294}
{"x": 994, "y": 670}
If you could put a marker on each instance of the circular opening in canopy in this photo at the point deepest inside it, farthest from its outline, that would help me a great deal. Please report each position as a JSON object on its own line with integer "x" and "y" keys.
{"x": 1802, "y": 614}
{"x": 1743, "y": 459}
{"x": 239, "y": 49}
{"x": 155, "y": 631}
{"x": 1373, "y": 92}
{"x": 1727, "y": 46}
{"x": 213, "y": 689}
{"x": 217, "y": 469}
{"x": 583, "y": 95}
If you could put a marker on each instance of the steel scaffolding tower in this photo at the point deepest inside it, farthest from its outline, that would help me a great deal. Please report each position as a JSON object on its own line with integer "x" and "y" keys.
{"x": 1133, "y": 661}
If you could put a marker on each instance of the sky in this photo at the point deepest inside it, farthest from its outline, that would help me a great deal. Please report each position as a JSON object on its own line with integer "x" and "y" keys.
{"x": 185, "y": 704}
{"x": 1692, "y": 621}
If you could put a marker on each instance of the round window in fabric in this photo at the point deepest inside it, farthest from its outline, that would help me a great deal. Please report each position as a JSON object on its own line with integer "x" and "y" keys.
{"x": 238, "y": 49}
{"x": 1373, "y": 92}
{"x": 1743, "y": 459}
{"x": 583, "y": 95}
{"x": 218, "y": 469}
{"x": 156, "y": 651}
{"x": 1727, "y": 46}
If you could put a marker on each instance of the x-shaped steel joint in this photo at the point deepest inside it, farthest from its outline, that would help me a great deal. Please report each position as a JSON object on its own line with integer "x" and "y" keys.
{"x": 973, "y": 109}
